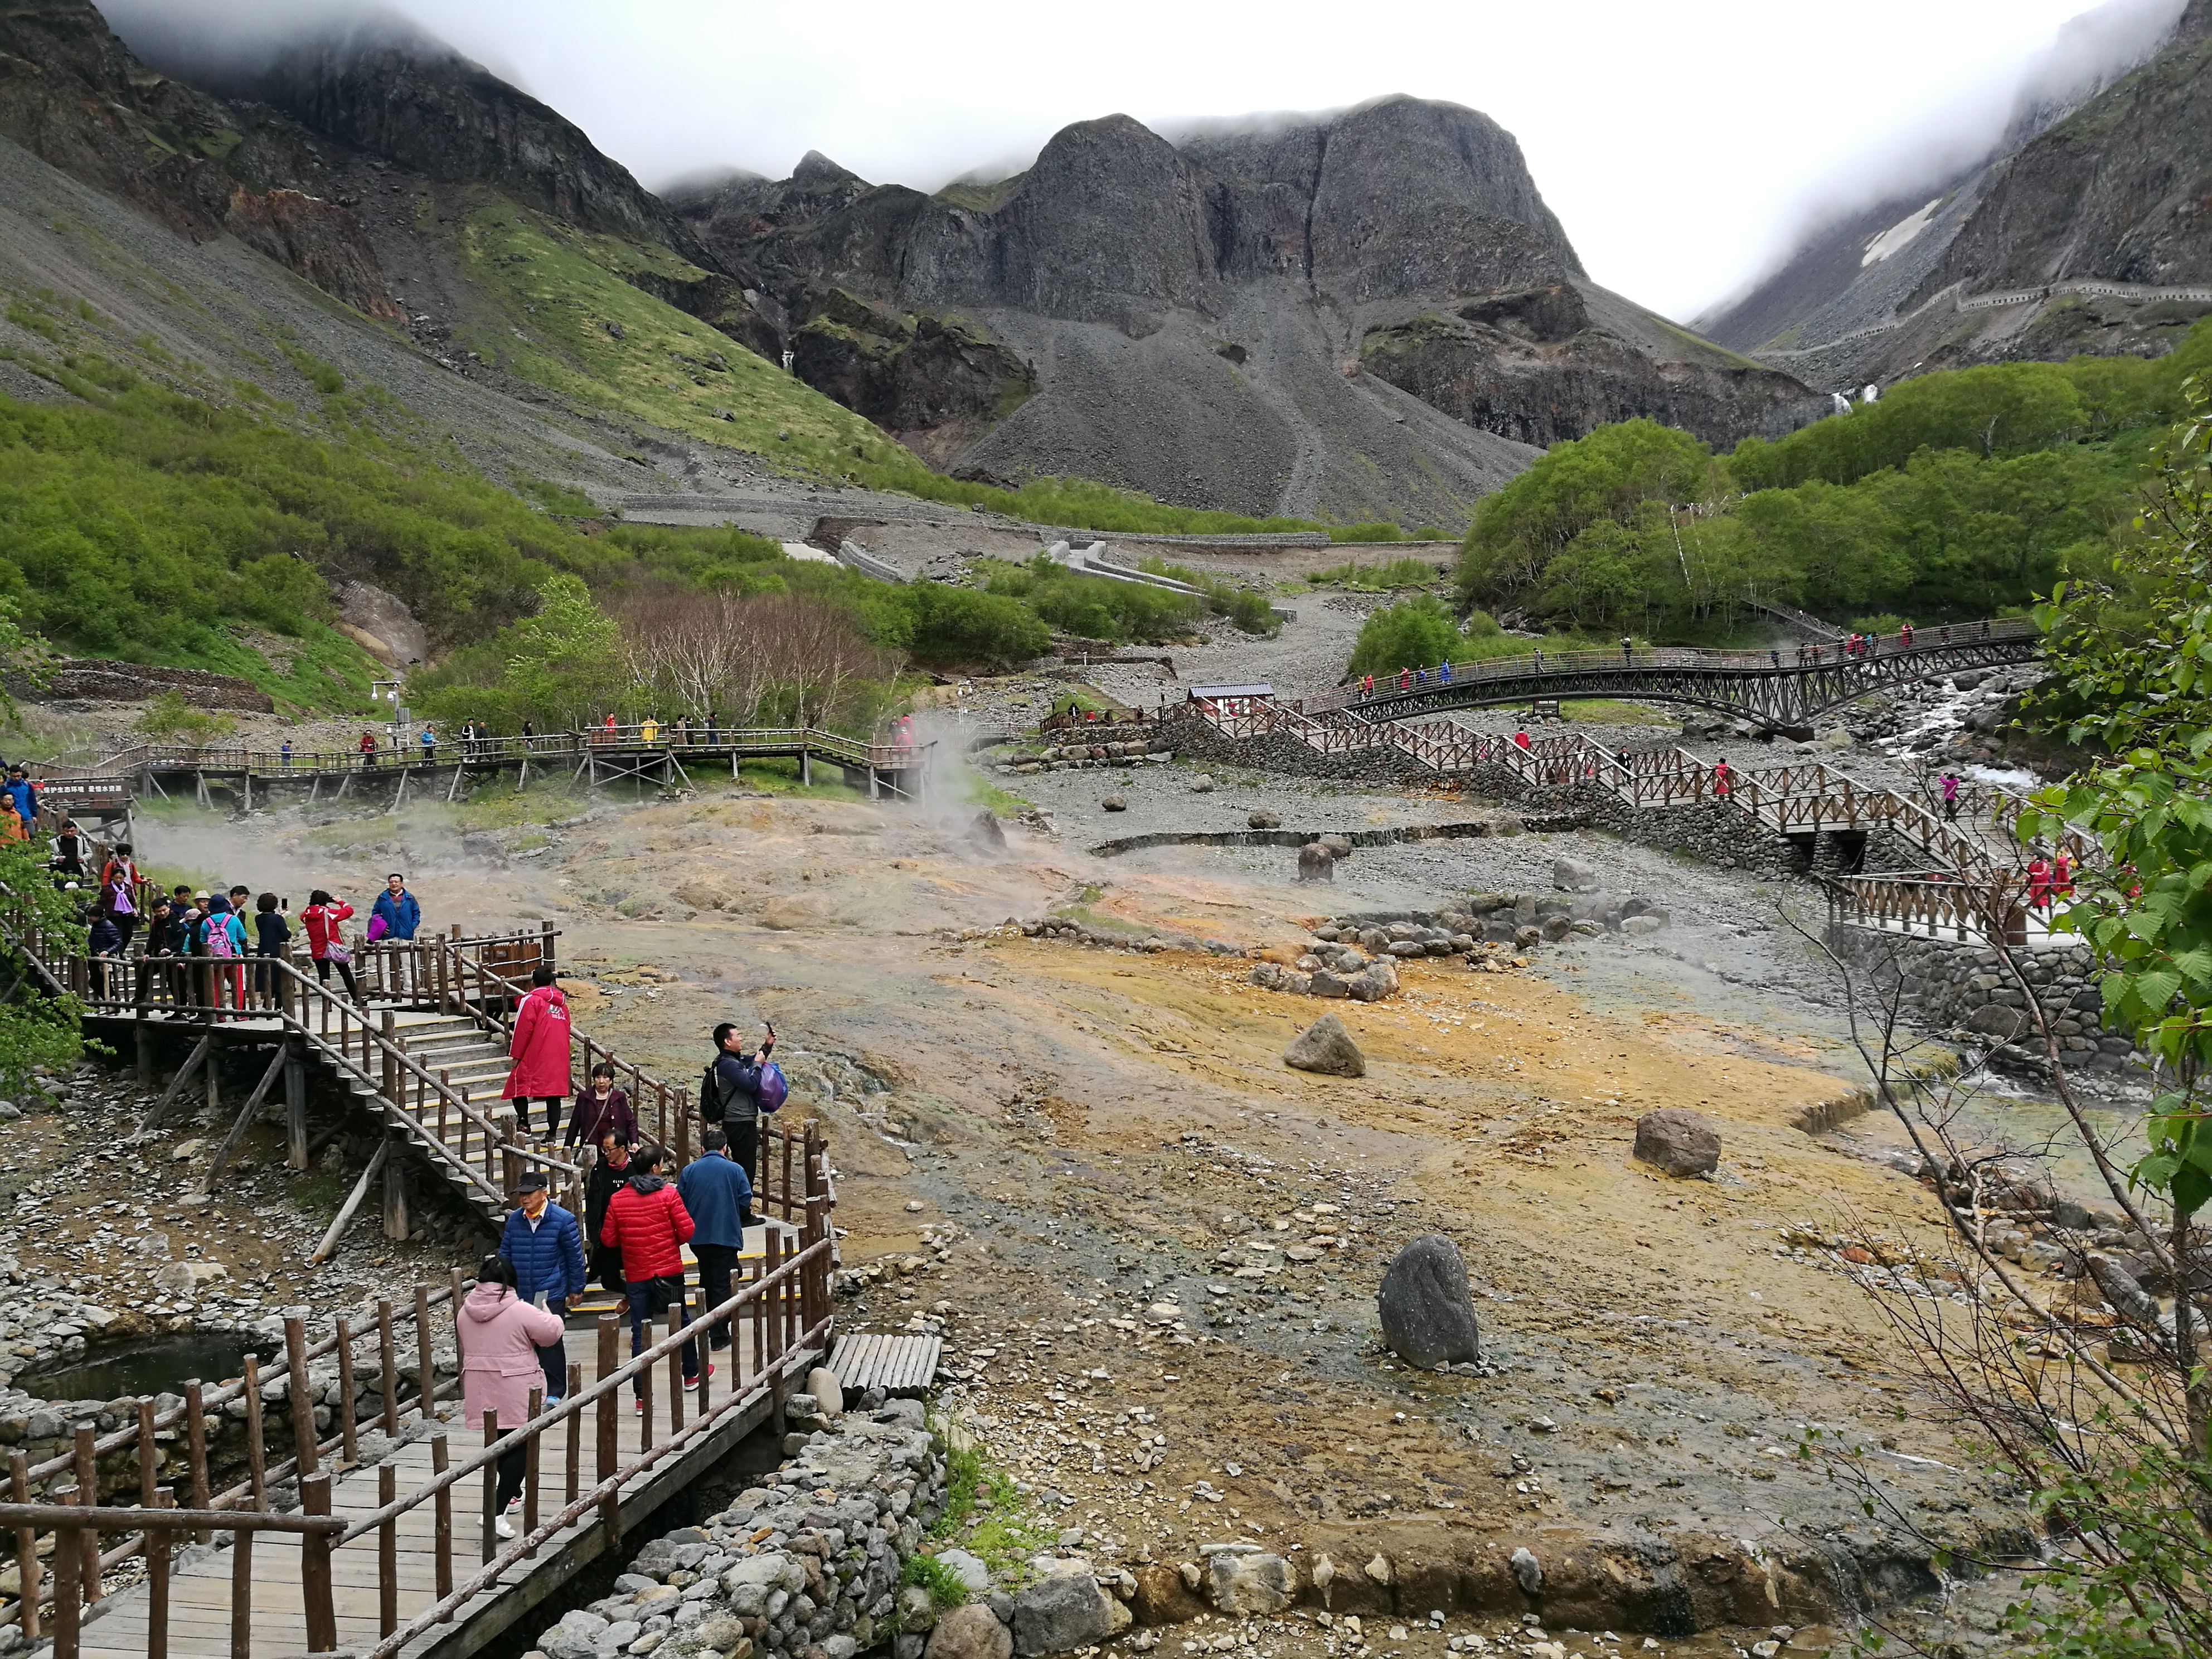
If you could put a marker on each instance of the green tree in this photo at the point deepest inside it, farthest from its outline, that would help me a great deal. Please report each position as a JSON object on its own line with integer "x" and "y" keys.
{"x": 1417, "y": 633}
{"x": 35, "y": 1029}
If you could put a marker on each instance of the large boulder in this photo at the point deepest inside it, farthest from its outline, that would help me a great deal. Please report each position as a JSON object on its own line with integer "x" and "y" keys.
{"x": 1061, "y": 1612}
{"x": 1573, "y": 876}
{"x": 1325, "y": 1047}
{"x": 1316, "y": 862}
{"x": 972, "y": 1632}
{"x": 828, "y": 1391}
{"x": 1428, "y": 1317}
{"x": 1248, "y": 1586}
{"x": 1678, "y": 1142}
{"x": 1261, "y": 818}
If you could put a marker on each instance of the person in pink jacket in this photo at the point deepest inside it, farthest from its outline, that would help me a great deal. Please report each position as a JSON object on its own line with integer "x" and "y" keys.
{"x": 500, "y": 1335}
{"x": 539, "y": 1052}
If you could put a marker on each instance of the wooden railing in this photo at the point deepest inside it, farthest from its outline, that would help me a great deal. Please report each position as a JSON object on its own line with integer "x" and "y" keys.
{"x": 70, "y": 1482}
{"x": 1997, "y": 908}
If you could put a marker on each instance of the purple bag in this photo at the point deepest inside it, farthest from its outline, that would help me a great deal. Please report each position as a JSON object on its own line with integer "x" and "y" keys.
{"x": 773, "y": 1089}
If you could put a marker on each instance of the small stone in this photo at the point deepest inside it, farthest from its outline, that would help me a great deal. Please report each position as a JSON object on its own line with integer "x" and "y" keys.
{"x": 1261, "y": 818}
{"x": 915, "y": 1206}
{"x": 1527, "y": 1571}
{"x": 1678, "y": 1142}
{"x": 1202, "y": 784}
{"x": 1637, "y": 927}
{"x": 1115, "y": 803}
{"x": 1325, "y": 1047}
{"x": 185, "y": 1151}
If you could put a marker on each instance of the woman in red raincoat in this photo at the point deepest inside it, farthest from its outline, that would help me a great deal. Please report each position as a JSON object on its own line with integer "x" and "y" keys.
{"x": 539, "y": 1052}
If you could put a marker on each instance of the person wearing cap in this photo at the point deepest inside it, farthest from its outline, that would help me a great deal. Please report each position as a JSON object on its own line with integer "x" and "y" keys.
{"x": 540, "y": 1241}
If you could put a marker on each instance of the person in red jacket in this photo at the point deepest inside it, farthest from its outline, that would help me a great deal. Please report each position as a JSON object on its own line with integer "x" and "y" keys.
{"x": 539, "y": 1050}
{"x": 326, "y": 949}
{"x": 649, "y": 1224}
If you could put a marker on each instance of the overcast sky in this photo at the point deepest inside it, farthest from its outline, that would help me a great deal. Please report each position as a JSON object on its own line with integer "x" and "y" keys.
{"x": 1681, "y": 144}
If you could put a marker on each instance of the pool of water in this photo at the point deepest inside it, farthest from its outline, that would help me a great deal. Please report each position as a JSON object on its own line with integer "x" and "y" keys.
{"x": 159, "y": 1367}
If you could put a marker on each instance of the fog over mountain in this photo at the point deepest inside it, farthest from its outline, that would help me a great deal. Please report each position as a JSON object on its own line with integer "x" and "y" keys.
{"x": 1673, "y": 196}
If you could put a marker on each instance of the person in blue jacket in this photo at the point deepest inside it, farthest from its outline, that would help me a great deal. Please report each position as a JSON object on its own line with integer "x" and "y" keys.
{"x": 719, "y": 1200}
{"x": 401, "y": 915}
{"x": 21, "y": 798}
{"x": 541, "y": 1243}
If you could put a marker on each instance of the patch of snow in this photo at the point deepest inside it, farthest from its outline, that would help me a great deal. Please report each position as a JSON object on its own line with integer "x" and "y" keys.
{"x": 1891, "y": 241}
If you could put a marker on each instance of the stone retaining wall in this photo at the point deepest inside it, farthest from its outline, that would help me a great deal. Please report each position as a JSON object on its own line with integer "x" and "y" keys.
{"x": 95, "y": 679}
{"x": 804, "y": 1566}
{"x": 1954, "y": 985}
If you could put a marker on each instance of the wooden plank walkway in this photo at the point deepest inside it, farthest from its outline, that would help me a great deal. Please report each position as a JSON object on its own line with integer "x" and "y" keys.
{"x": 201, "y": 1603}
{"x": 896, "y": 1363}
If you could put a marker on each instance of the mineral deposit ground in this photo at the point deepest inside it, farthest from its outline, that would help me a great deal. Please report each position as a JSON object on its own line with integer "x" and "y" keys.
{"x": 1153, "y": 1250}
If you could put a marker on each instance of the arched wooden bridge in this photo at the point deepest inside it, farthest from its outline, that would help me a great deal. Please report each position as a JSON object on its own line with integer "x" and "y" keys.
{"x": 1782, "y": 689}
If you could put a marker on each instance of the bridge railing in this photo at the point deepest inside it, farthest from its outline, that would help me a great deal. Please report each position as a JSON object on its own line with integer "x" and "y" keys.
{"x": 1538, "y": 663}
{"x": 1932, "y": 908}
{"x": 381, "y": 1386}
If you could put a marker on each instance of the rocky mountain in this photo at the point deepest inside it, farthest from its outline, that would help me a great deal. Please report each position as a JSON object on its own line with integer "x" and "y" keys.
{"x": 2087, "y": 229}
{"x": 1369, "y": 314}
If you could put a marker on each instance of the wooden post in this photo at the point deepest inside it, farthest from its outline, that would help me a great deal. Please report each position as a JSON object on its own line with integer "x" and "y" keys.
{"x": 295, "y": 1103}
{"x": 387, "y": 1552}
{"x": 575, "y": 1433}
{"x": 27, "y": 1545}
{"x": 316, "y": 1594}
{"x": 158, "y": 1542}
{"x": 146, "y": 1452}
{"x": 426, "y": 1397}
{"x": 388, "y": 1363}
{"x": 491, "y": 1485}
{"x": 546, "y": 936}
{"x": 392, "y": 1058}
{"x": 605, "y": 1449}
{"x": 676, "y": 1364}
{"x": 442, "y": 1507}
{"x": 644, "y": 1384}
{"x": 256, "y": 1455}
{"x": 511, "y": 1153}
{"x": 196, "y": 1446}
{"x": 88, "y": 1483}
{"x": 300, "y": 1396}
{"x": 144, "y": 1034}
{"x": 396, "y": 1222}
{"x": 530, "y": 1460}
{"x": 241, "y": 1594}
{"x": 67, "y": 1602}
{"x": 348, "y": 1448}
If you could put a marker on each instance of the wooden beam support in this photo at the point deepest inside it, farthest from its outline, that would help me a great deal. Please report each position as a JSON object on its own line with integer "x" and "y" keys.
{"x": 246, "y": 1113}
{"x": 192, "y": 1063}
{"x": 396, "y": 1221}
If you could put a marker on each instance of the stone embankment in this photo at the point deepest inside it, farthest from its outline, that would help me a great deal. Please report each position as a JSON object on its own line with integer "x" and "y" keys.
{"x": 806, "y": 1565}
{"x": 1964, "y": 988}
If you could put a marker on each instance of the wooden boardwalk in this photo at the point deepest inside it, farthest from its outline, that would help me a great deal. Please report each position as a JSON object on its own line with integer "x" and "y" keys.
{"x": 370, "y": 1597}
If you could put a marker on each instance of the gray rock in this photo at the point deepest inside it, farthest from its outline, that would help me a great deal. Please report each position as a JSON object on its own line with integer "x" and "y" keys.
{"x": 1679, "y": 1141}
{"x": 828, "y": 1391}
{"x": 971, "y": 1632}
{"x": 1061, "y": 1612}
{"x": 1261, "y": 818}
{"x": 1202, "y": 784}
{"x": 1266, "y": 975}
{"x": 1637, "y": 927}
{"x": 1428, "y": 1317}
{"x": 718, "y": 1635}
{"x": 968, "y": 1569}
{"x": 1556, "y": 927}
{"x": 916, "y": 1611}
{"x": 1317, "y": 863}
{"x": 1327, "y": 984}
{"x": 1527, "y": 1571}
{"x": 1325, "y": 1045}
{"x": 1573, "y": 876}
{"x": 1115, "y": 803}
{"x": 1247, "y": 1586}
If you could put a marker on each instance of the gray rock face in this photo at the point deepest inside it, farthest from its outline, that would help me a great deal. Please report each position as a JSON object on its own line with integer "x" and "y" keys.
{"x": 1325, "y": 1045}
{"x": 1678, "y": 1142}
{"x": 972, "y": 1632}
{"x": 1428, "y": 1317}
{"x": 1058, "y": 1613}
{"x": 1249, "y": 1586}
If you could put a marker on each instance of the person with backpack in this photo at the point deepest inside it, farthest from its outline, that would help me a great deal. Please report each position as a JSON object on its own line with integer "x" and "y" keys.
{"x": 720, "y": 1199}
{"x": 647, "y": 1221}
{"x": 601, "y": 1107}
{"x": 325, "y": 948}
{"x": 1949, "y": 785}
{"x": 732, "y": 1093}
{"x": 224, "y": 935}
{"x": 367, "y": 746}
{"x": 400, "y": 913}
{"x": 539, "y": 1052}
{"x": 541, "y": 1242}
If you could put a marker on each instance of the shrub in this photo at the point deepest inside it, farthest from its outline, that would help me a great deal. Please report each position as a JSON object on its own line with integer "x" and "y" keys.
{"x": 1417, "y": 633}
